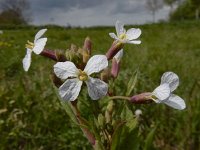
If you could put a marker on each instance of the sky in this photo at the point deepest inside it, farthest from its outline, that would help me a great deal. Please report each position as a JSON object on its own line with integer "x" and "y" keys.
{"x": 86, "y": 13}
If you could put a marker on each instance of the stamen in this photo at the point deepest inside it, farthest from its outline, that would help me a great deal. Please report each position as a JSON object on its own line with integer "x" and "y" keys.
{"x": 122, "y": 36}
{"x": 29, "y": 45}
{"x": 82, "y": 75}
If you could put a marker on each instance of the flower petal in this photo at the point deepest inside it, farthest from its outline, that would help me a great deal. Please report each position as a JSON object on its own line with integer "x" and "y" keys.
{"x": 162, "y": 92}
{"x": 112, "y": 35}
{"x": 95, "y": 64}
{"x": 176, "y": 102}
{"x": 96, "y": 88}
{"x": 39, "y": 45}
{"x": 66, "y": 69}
{"x": 119, "y": 55}
{"x": 119, "y": 28}
{"x": 27, "y": 60}
{"x": 39, "y": 34}
{"x": 171, "y": 78}
{"x": 133, "y": 33}
{"x": 134, "y": 42}
{"x": 70, "y": 89}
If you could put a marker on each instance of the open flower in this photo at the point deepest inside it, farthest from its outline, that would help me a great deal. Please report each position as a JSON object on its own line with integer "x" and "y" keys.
{"x": 36, "y": 47}
{"x": 70, "y": 89}
{"x": 163, "y": 93}
{"x": 124, "y": 36}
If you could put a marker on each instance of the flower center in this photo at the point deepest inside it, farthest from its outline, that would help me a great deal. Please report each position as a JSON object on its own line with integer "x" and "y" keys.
{"x": 82, "y": 75}
{"x": 29, "y": 45}
{"x": 122, "y": 36}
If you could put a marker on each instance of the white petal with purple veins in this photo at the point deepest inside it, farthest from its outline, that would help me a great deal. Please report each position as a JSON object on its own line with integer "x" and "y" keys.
{"x": 96, "y": 88}
{"x": 70, "y": 89}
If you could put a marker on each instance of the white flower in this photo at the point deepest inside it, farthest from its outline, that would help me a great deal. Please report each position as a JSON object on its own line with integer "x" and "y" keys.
{"x": 1, "y": 31}
{"x": 163, "y": 93}
{"x": 70, "y": 89}
{"x": 36, "y": 47}
{"x": 124, "y": 36}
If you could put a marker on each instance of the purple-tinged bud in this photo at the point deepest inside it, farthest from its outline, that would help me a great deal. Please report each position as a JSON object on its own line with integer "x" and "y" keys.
{"x": 115, "y": 68}
{"x": 49, "y": 54}
{"x": 114, "y": 49}
{"x": 88, "y": 45}
{"x": 116, "y": 63}
{"x": 142, "y": 98}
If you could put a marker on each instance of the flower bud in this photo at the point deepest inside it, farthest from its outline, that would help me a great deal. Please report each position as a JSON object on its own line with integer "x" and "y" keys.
{"x": 110, "y": 106}
{"x": 116, "y": 63}
{"x": 114, "y": 49}
{"x": 101, "y": 120}
{"x": 49, "y": 54}
{"x": 60, "y": 56}
{"x": 88, "y": 45}
{"x": 142, "y": 98}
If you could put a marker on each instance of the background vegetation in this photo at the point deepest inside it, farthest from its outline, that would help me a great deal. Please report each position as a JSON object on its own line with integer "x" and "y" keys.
{"x": 31, "y": 116}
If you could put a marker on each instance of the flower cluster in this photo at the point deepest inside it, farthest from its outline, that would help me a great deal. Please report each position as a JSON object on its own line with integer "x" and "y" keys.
{"x": 76, "y": 68}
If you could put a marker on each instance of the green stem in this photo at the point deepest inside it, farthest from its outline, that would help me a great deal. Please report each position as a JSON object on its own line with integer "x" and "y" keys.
{"x": 120, "y": 97}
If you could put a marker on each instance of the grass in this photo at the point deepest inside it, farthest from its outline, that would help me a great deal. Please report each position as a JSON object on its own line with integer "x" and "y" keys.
{"x": 31, "y": 116}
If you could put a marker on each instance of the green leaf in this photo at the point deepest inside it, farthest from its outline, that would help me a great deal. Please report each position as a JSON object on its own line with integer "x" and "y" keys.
{"x": 116, "y": 136}
{"x": 126, "y": 113}
{"x": 132, "y": 82}
{"x": 149, "y": 140}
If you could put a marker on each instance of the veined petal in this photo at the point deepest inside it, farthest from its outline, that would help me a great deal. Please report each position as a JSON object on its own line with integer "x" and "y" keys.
{"x": 119, "y": 28}
{"x": 134, "y": 42}
{"x": 27, "y": 60}
{"x": 39, "y": 34}
{"x": 162, "y": 92}
{"x": 171, "y": 78}
{"x": 176, "y": 102}
{"x": 70, "y": 89}
{"x": 66, "y": 69}
{"x": 133, "y": 33}
{"x": 95, "y": 64}
{"x": 112, "y": 35}
{"x": 39, "y": 45}
{"x": 96, "y": 88}
{"x": 119, "y": 55}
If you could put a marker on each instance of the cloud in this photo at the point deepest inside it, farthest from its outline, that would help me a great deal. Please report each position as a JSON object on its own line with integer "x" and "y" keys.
{"x": 91, "y": 12}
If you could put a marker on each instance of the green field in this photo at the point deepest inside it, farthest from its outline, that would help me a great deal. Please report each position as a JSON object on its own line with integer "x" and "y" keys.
{"x": 31, "y": 116}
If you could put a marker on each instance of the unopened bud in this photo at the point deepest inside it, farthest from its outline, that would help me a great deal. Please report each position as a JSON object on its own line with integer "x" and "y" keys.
{"x": 86, "y": 56}
{"x": 88, "y": 45}
{"x": 107, "y": 116}
{"x": 110, "y": 106}
{"x": 60, "y": 56}
{"x": 142, "y": 98}
{"x": 74, "y": 48}
{"x": 49, "y": 54}
{"x": 101, "y": 120}
{"x": 114, "y": 49}
{"x": 115, "y": 68}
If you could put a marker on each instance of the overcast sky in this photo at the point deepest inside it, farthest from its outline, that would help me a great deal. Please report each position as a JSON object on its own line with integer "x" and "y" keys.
{"x": 92, "y": 12}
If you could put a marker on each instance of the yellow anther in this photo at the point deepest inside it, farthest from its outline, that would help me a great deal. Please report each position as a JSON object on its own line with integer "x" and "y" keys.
{"x": 82, "y": 75}
{"x": 29, "y": 45}
{"x": 122, "y": 36}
